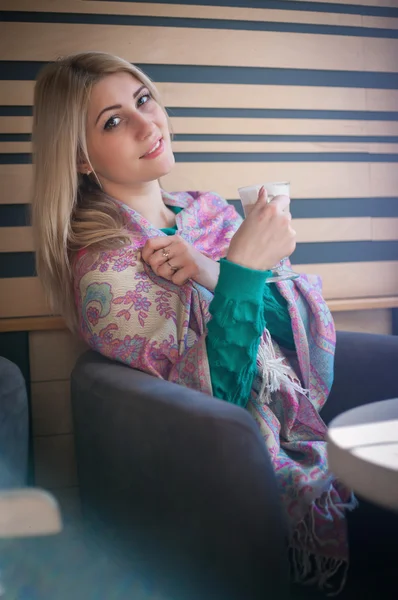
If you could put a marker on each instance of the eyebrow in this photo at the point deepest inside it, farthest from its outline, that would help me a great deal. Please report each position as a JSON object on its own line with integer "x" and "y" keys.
{"x": 115, "y": 106}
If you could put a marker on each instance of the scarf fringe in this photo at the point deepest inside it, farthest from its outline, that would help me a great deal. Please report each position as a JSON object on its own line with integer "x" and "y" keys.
{"x": 274, "y": 372}
{"x": 309, "y": 567}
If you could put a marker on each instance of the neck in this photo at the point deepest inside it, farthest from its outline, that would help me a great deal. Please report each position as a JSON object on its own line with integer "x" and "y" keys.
{"x": 146, "y": 200}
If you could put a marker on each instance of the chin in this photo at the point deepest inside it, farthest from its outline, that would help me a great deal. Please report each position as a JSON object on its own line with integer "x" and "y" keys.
{"x": 166, "y": 165}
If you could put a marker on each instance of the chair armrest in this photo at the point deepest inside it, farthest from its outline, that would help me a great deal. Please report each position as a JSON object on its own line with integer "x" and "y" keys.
{"x": 366, "y": 370}
{"x": 187, "y": 475}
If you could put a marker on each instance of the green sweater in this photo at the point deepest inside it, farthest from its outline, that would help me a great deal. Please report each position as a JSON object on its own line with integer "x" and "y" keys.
{"x": 243, "y": 304}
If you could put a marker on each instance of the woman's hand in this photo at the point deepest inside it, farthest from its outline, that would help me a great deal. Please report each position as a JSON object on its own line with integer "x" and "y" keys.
{"x": 175, "y": 259}
{"x": 265, "y": 236}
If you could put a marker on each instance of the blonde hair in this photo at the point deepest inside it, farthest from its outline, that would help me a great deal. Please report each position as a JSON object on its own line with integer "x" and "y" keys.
{"x": 69, "y": 210}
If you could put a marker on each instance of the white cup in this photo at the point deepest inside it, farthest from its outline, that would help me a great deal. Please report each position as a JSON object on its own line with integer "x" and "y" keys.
{"x": 249, "y": 194}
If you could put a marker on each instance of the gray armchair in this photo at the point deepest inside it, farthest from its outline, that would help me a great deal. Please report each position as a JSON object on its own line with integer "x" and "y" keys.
{"x": 14, "y": 424}
{"x": 182, "y": 483}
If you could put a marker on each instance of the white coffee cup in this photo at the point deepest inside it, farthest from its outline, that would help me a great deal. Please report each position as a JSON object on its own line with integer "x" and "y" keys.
{"x": 249, "y": 194}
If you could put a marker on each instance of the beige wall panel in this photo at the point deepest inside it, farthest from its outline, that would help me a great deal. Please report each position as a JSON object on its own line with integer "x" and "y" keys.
{"x": 282, "y": 126}
{"x": 356, "y": 280}
{"x": 16, "y": 181}
{"x": 380, "y": 22}
{"x": 308, "y": 180}
{"x": 235, "y": 96}
{"x": 385, "y": 228}
{"x": 11, "y": 147}
{"x": 53, "y": 354}
{"x": 19, "y": 239}
{"x": 377, "y": 3}
{"x": 333, "y": 230}
{"x": 16, "y": 124}
{"x": 364, "y": 321}
{"x": 383, "y": 179}
{"x": 341, "y": 280}
{"x": 381, "y": 128}
{"x": 47, "y": 41}
{"x": 380, "y": 54}
{"x": 19, "y": 93}
{"x": 232, "y": 96}
{"x": 16, "y": 239}
{"x": 369, "y": 303}
{"x": 193, "y": 12}
{"x": 262, "y": 96}
{"x": 381, "y": 100}
{"x": 55, "y": 464}
{"x": 271, "y": 147}
{"x": 51, "y": 408}
{"x": 216, "y": 12}
{"x": 22, "y": 297}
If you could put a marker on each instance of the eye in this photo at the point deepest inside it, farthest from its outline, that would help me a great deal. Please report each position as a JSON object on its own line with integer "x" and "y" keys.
{"x": 112, "y": 123}
{"x": 143, "y": 99}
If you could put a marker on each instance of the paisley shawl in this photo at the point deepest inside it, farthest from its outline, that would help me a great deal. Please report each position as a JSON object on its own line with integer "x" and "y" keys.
{"x": 129, "y": 314}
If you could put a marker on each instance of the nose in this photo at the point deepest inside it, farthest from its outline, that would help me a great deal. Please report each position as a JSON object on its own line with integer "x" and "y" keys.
{"x": 143, "y": 126}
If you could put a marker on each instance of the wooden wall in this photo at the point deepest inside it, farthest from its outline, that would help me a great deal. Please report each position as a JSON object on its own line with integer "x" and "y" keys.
{"x": 304, "y": 91}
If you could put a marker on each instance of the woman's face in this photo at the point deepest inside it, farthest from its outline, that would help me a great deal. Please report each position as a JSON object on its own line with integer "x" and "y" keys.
{"x": 128, "y": 139}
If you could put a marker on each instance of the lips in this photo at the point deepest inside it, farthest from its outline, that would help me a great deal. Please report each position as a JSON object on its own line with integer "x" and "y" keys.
{"x": 153, "y": 148}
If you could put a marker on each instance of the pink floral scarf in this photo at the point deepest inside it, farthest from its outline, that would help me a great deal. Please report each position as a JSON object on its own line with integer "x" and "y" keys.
{"x": 131, "y": 315}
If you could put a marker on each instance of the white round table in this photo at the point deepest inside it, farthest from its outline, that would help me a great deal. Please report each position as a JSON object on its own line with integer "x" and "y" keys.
{"x": 363, "y": 451}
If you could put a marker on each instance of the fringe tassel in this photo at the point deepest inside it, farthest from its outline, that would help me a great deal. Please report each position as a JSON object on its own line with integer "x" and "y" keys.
{"x": 274, "y": 372}
{"x": 310, "y": 568}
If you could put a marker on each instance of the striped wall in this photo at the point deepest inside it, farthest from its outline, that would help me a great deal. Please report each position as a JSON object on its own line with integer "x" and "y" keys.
{"x": 256, "y": 90}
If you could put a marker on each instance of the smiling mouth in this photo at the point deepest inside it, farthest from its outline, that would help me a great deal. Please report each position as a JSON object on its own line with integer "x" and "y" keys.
{"x": 153, "y": 149}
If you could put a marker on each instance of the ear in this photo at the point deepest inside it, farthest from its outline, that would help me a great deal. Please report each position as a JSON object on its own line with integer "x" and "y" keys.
{"x": 84, "y": 168}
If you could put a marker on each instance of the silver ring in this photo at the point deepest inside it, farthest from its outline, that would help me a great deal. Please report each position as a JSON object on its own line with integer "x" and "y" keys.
{"x": 165, "y": 253}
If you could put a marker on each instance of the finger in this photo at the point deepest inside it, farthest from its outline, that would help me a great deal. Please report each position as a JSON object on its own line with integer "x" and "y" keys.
{"x": 154, "y": 244}
{"x": 282, "y": 202}
{"x": 181, "y": 276}
{"x": 262, "y": 196}
{"x": 165, "y": 271}
{"x": 160, "y": 257}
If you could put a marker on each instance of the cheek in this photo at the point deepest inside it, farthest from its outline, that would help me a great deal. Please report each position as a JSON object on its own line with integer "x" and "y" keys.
{"x": 106, "y": 153}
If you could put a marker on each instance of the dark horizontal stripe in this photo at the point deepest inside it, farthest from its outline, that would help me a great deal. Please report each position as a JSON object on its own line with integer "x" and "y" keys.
{"x": 17, "y": 264}
{"x": 282, "y": 113}
{"x": 22, "y": 264}
{"x": 26, "y": 137}
{"x": 229, "y": 24}
{"x": 338, "y": 252}
{"x": 23, "y": 158}
{"x": 299, "y": 5}
{"x": 28, "y": 70}
{"x": 344, "y": 207}
{"x": 15, "y": 137}
{"x": 18, "y": 215}
{"x": 245, "y": 113}
{"x": 328, "y": 208}
{"x": 14, "y": 215}
{"x": 233, "y": 157}
{"x": 16, "y": 111}
{"x": 204, "y": 137}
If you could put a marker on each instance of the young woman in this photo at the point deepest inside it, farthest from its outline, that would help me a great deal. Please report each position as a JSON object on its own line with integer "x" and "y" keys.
{"x": 174, "y": 283}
